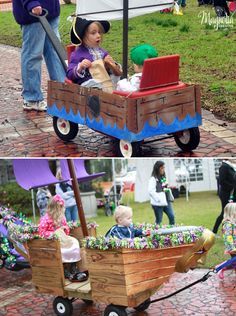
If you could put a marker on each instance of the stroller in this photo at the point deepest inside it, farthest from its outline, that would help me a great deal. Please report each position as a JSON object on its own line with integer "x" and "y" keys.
{"x": 10, "y": 258}
{"x": 110, "y": 201}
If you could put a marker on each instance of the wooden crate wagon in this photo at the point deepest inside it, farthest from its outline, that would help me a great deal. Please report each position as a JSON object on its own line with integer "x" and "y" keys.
{"x": 164, "y": 105}
{"x": 119, "y": 278}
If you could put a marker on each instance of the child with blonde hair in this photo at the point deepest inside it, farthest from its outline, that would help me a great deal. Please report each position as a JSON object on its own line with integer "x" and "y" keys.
{"x": 124, "y": 227}
{"x": 54, "y": 223}
{"x": 229, "y": 232}
{"x": 89, "y": 57}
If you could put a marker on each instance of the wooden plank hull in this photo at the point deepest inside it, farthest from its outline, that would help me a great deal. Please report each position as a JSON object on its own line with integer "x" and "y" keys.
{"x": 127, "y": 276}
{"x": 120, "y": 276}
{"x": 47, "y": 268}
{"x": 48, "y": 273}
{"x": 132, "y": 119}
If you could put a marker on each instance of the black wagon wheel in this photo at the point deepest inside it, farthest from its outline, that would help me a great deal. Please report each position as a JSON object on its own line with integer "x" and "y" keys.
{"x": 64, "y": 129}
{"x": 188, "y": 139}
{"x": 62, "y": 306}
{"x": 115, "y": 310}
{"x": 127, "y": 149}
{"x": 143, "y": 306}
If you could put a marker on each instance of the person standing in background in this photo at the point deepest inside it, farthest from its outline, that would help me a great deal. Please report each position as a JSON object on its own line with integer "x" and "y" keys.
{"x": 42, "y": 198}
{"x": 158, "y": 189}
{"x": 35, "y": 46}
{"x": 221, "y": 8}
{"x": 227, "y": 188}
{"x": 64, "y": 190}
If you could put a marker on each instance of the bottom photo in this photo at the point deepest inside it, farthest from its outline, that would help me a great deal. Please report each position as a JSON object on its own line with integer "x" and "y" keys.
{"x": 118, "y": 237}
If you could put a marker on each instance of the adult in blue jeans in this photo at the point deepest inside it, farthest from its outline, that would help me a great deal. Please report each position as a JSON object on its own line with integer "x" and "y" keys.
{"x": 158, "y": 193}
{"x": 35, "y": 46}
{"x": 182, "y": 3}
{"x": 65, "y": 191}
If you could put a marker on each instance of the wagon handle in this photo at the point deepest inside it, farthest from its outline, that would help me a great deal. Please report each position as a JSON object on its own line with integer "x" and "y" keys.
{"x": 52, "y": 37}
{"x": 202, "y": 279}
{"x": 44, "y": 13}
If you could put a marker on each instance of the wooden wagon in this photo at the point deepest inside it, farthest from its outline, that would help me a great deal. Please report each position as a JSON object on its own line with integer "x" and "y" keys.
{"x": 119, "y": 278}
{"x": 164, "y": 105}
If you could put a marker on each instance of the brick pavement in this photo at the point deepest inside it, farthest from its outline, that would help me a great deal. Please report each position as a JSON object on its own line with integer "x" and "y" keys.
{"x": 24, "y": 134}
{"x": 211, "y": 298}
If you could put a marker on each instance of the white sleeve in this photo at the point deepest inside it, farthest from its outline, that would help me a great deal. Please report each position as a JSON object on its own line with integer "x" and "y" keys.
{"x": 152, "y": 187}
{"x": 64, "y": 195}
{"x": 124, "y": 85}
{"x": 135, "y": 82}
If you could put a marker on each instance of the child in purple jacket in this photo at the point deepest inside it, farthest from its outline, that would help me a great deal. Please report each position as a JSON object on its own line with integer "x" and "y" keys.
{"x": 88, "y": 35}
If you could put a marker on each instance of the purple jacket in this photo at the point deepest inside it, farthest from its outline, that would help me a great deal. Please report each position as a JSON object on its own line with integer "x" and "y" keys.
{"x": 77, "y": 56}
{"x": 21, "y": 9}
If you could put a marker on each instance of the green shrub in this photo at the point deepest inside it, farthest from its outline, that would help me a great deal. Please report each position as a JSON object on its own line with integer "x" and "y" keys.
{"x": 13, "y": 196}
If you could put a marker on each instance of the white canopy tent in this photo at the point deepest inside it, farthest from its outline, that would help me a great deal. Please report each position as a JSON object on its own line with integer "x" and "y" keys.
{"x": 113, "y": 10}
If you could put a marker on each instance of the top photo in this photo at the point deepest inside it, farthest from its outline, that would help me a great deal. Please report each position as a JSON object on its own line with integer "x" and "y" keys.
{"x": 124, "y": 78}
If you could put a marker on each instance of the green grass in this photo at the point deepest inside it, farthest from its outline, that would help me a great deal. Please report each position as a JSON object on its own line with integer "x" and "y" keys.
{"x": 207, "y": 55}
{"x": 201, "y": 209}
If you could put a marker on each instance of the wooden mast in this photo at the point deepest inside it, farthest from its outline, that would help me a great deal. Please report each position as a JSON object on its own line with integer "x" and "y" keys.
{"x": 76, "y": 189}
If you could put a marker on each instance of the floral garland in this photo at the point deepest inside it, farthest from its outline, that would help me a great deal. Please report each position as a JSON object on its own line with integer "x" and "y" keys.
{"x": 22, "y": 229}
{"x": 154, "y": 240}
{"x": 7, "y": 259}
{"x": 74, "y": 224}
{"x": 19, "y": 227}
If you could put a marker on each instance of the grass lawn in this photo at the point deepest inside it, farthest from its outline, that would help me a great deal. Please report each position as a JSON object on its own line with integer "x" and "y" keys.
{"x": 207, "y": 55}
{"x": 201, "y": 209}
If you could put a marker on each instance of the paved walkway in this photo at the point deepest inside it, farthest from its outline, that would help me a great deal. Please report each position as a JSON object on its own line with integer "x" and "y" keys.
{"x": 31, "y": 134}
{"x": 211, "y": 298}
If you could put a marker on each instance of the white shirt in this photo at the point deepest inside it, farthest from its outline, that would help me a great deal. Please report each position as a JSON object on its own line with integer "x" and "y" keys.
{"x": 131, "y": 84}
{"x": 156, "y": 198}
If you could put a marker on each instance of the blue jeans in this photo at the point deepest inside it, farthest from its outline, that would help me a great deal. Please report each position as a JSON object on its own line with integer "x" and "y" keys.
{"x": 182, "y": 3}
{"x": 71, "y": 213}
{"x": 158, "y": 210}
{"x": 35, "y": 46}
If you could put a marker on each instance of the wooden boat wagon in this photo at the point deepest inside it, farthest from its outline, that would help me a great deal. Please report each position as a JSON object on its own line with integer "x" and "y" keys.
{"x": 119, "y": 277}
{"x": 164, "y": 105}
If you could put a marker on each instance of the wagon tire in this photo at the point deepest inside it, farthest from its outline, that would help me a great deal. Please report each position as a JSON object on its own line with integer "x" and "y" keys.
{"x": 143, "y": 306}
{"x": 65, "y": 129}
{"x": 115, "y": 310}
{"x": 127, "y": 149}
{"x": 62, "y": 306}
{"x": 188, "y": 139}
